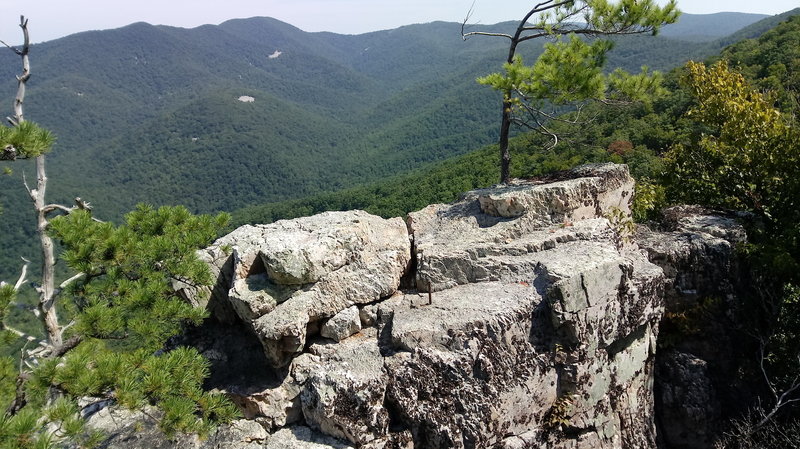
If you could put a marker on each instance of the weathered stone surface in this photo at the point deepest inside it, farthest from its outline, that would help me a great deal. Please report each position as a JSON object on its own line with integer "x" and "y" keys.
{"x": 696, "y": 252}
{"x": 342, "y": 325}
{"x": 240, "y": 434}
{"x": 526, "y": 313}
{"x": 467, "y": 374}
{"x": 484, "y": 229}
{"x": 483, "y": 361}
{"x": 344, "y": 394}
{"x": 273, "y": 407}
{"x": 688, "y": 407}
{"x": 585, "y": 192}
{"x": 696, "y": 249}
{"x": 132, "y": 430}
{"x": 285, "y": 276}
{"x": 139, "y": 430}
{"x": 301, "y": 437}
{"x": 531, "y": 326}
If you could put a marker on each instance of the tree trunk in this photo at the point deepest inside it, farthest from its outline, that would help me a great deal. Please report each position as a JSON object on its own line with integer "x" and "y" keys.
{"x": 46, "y": 306}
{"x": 505, "y": 155}
{"x": 505, "y": 124}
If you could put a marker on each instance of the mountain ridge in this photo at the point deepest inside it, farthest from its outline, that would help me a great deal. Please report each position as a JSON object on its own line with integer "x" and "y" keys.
{"x": 335, "y": 111}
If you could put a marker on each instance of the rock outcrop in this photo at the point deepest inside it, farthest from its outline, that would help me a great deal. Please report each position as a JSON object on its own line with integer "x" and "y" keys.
{"x": 288, "y": 277}
{"x": 527, "y": 317}
{"x": 696, "y": 248}
{"x": 532, "y": 321}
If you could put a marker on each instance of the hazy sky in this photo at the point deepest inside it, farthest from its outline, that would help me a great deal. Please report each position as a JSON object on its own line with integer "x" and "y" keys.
{"x": 50, "y": 19}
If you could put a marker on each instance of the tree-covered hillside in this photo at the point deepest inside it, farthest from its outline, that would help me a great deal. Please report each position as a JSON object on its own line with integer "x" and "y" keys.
{"x": 709, "y": 27}
{"x": 150, "y": 113}
{"x": 637, "y": 136}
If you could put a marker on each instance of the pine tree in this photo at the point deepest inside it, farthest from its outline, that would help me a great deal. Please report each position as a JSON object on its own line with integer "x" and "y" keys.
{"x": 570, "y": 70}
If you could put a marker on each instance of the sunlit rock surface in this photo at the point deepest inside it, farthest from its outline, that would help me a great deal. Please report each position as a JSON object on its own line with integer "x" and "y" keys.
{"x": 528, "y": 317}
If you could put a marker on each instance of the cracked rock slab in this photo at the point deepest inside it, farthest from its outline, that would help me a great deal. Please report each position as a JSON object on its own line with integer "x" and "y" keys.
{"x": 342, "y": 325}
{"x": 489, "y": 220}
{"x": 343, "y": 395}
{"x": 284, "y": 277}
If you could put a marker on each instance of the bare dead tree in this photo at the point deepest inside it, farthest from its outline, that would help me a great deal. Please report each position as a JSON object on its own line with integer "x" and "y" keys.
{"x": 47, "y": 290}
{"x": 46, "y": 306}
{"x": 780, "y": 399}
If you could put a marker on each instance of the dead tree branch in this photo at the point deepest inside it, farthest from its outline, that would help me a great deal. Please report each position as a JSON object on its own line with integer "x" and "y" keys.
{"x": 46, "y": 304}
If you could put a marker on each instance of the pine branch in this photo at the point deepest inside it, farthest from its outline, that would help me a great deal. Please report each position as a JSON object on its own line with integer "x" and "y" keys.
{"x": 67, "y": 346}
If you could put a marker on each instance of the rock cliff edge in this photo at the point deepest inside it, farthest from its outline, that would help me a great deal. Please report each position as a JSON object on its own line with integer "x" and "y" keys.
{"x": 519, "y": 316}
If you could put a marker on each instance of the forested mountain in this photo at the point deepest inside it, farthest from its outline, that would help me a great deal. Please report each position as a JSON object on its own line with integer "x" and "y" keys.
{"x": 709, "y": 27}
{"x": 152, "y": 113}
{"x": 647, "y": 131}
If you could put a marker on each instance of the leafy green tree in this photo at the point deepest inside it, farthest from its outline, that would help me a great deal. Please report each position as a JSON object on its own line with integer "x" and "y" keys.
{"x": 748, "y": 158}
{"x": 772, "y": 62}
{"x": 570, "y": 70}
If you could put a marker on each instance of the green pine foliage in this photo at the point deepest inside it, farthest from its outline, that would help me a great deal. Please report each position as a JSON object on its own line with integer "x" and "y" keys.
{"x": 124, "y": 309}
{"x": 29, "y": 139}
{"x": 126, "y": 290}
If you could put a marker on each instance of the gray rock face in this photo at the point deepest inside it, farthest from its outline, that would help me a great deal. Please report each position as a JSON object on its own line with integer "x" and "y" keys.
{"x": 274, "y": 407}
{"x": 585, "y": 192}
{"x": 285, "y": 277}
{"x": 696, "y": 251}
{"x": 138, "y": 430}
{"x": 532, "y": 324}
{"x": 343, "y": 395}
{"x": 301, "y": 437}
{"x": 689, "y": 411}
{"x": 469, "y": 239}
{"x": 342, "y": 325}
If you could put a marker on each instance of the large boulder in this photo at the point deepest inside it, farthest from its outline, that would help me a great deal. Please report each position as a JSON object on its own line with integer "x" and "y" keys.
{"x": 302, "y": 437}
{"x": 696, "y": 248}
{"x": 541, "y": 325}
{"x": 139, "y": 430}
{"x": 689, "y": 412}
{"x": 288, "y": 277}
{"x": 455, "y": 242}
{"x": 533, "y": 328}
{"x": 344, "y": 389}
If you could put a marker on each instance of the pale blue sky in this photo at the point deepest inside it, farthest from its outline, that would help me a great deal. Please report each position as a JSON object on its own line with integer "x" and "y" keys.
{"x": 50, "y": 19}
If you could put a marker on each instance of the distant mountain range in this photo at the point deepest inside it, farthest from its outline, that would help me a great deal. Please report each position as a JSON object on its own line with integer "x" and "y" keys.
{"x": 154, "y": 113}
{"x": 709, "y": 27}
